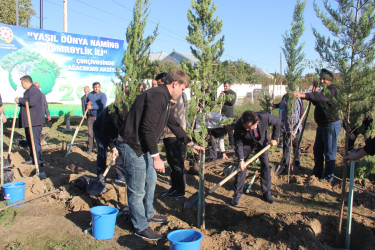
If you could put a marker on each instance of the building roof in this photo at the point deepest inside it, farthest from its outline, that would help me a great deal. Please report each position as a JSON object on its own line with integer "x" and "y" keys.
{"x": 159, "y": 56}
{"x": 177, "y": 57}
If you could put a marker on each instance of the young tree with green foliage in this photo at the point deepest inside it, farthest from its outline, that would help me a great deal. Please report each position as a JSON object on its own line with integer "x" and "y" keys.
{"x": 8, "y": 12}
{"x": 349, "y": 49}
{"x": 133, "y": 65}
{"x": 203, "y": 29}
{"x": 294, "y": 57}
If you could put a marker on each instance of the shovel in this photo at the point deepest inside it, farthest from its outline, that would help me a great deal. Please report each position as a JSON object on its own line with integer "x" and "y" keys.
{"x": 76, "y": 133}
{"x": 96, "y": 187}
{"x": 9, "y": 161}
{"x": 41, "y": 175}
{"x": 192, "y": 201}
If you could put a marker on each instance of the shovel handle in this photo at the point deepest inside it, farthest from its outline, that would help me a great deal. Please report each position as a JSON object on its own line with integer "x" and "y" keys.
{"x": 32, "y": 137}
{"x": 238, "y": 170}
{"x": 106, "y": 170}
{"x": 76, "y": 133}
{"x": 12, "y": 132}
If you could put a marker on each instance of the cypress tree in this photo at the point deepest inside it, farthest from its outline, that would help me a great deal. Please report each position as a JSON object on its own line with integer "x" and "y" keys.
{"x": 133, "y": 64}
{"x": 203, "y": 29}
{"x": 294, "y": 57}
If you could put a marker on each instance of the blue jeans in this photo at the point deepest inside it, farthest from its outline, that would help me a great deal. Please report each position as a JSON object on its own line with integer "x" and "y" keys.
{"x": 140, "y": 177}
{"x": 325, "y": 149}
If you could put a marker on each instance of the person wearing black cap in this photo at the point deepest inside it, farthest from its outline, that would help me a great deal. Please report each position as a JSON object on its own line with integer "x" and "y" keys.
{"x": 326, "y": 115}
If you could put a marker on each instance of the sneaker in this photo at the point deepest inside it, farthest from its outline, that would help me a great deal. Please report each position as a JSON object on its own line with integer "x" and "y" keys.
{"x": 149, "y": 234}
{"x": 120, "y": 181}
{"x": 29, "y": 162}
{"x": 268, "y": 198}
{"x": 329, "y": 178}
{"x": 235, "y": 201}
{"x": 176, "y": 194}
{"x": 158, "y": 219}
{"x": 169, "y": 191}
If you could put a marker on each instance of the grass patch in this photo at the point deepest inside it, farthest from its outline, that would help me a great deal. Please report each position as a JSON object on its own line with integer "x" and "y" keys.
{"x": 8, "y": 216}
{"x": 323, "y": 200}
{"x": 48, "y": 243}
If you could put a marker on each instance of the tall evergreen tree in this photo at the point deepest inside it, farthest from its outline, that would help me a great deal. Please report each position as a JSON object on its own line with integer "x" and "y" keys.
{"x": 203, "y": 29}
{"x": 8, "y": 12}
{"x": 133, "y": 65}
{"x": 349, "y": 49}
{"x": 294, "y": 57}
{"x": 293, "y": 52}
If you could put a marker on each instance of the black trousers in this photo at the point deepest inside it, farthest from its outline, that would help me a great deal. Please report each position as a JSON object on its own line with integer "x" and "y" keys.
{"x": 265, "y": 173}
{"x": 231, "y": 138}
{"x": 175, "y": 151}
{"x": 37, "y": 131}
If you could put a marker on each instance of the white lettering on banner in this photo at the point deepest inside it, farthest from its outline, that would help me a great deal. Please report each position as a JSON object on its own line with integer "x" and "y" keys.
{"x": 73, "y": 40}
{"x": 43, "y": 37}
{"x": 95, "y": 62}
{"x": 82, "y": 68}
{"x": 69, "y": 49}
{"x": 107, "y": 69}
{"x": 104, "y": 44}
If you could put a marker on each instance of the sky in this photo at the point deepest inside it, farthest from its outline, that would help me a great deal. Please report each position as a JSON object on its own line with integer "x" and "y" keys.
{"x": 252, "y": 29}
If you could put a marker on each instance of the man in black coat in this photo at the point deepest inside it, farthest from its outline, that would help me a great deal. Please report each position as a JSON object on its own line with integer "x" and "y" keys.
{"x": 251, "y": 136}
{"x": 33, "y": 96}
{"x": 45, "y": 103}
{"x": 106, "y": 129}
{"x": 228, "y": 107}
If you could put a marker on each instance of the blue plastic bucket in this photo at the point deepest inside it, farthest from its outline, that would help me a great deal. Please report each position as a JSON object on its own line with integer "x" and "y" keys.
{"x": 185, "y": 239}
{"x": 14, "y": 192}
{"x": 103, "y": 222}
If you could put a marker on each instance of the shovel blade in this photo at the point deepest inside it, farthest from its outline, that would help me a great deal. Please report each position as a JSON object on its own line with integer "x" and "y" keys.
{"x": 192, "y": 201}
{"x": 95, "y": 188}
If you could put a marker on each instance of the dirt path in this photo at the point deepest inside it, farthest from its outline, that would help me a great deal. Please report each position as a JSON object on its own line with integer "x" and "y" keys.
{"x": 304, "y": 215}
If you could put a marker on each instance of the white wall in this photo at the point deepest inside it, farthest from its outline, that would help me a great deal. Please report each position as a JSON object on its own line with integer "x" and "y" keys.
{"x": 280, "y": 90}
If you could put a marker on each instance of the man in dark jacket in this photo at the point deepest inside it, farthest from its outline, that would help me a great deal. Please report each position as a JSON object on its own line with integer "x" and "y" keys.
{"x": 142, "y": 129}
{"x": 326, "y": 115}
{"x": 251, "y": 136}
{"x": 33, "y": 96}
{"x": 228, "y": 107}
{"x": 106, "y": 128}
{"x": 45, "y": 103}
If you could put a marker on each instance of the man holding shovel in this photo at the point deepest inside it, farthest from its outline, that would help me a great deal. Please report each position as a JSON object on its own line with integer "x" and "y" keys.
{"x": 142, "y": 129}
{"x": 250, "y": 135}
{"x": 34, "y": 97}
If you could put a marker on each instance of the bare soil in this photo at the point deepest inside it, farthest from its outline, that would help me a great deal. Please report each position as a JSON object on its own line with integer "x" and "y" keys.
{"x": 304, "y": 215}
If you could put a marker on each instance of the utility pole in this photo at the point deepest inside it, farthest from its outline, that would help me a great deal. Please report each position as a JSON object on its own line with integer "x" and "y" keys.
{"x": 281, "y": 69}
{"x": 41, "y": 14}
{"x": 65, "y": 4}
{"x": 16, "y": 12}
